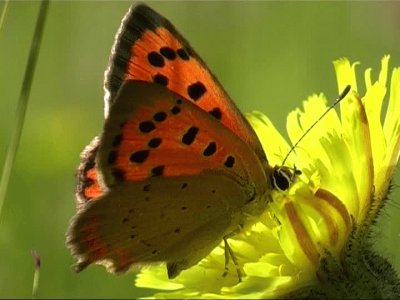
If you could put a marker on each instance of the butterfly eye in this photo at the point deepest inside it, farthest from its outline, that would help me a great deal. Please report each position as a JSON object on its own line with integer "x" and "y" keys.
{"x": 281, "y": 179}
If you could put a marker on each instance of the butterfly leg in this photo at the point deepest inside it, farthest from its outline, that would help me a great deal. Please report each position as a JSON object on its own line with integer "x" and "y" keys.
{"x": 227, "y": 257}
{"x": 229, "y": 254}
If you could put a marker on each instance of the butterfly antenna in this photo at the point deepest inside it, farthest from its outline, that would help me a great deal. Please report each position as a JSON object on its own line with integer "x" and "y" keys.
{"x": 341, "y": 96}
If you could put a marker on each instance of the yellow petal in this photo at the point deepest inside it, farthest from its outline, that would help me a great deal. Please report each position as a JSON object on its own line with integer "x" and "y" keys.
{"x": 345, "y": 74}
{"x": 273, "y": 143}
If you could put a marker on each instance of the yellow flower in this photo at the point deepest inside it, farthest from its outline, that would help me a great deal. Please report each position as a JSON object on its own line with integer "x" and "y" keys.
{"x": 313, "y": 239}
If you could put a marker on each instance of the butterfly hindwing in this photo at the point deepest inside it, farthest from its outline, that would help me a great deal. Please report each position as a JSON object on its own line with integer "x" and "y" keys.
{"x": 87, "y": 185}
{"x": 149, "y": 48}
{"x": 178, "y": 220}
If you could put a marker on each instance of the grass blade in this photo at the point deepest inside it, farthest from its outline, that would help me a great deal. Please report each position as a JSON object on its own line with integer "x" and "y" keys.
{"x": 22, "y": 102}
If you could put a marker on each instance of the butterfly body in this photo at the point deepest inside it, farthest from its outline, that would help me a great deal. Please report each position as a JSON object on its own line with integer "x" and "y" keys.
{"x": 177, "y": 167}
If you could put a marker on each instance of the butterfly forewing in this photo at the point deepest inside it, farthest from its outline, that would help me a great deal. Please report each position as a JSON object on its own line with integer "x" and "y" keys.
{"x": 149, "y": 48}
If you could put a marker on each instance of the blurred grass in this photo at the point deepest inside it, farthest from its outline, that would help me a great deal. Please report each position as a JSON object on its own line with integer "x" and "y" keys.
{"x": 268, "y": 55}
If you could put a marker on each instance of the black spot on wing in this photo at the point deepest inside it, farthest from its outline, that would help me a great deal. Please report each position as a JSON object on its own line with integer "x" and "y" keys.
{"x": 155, "y": 59}
{"x": 210, "y": 149}
{"x": 196, "y": 90}
{"x": 160, "y": 116}
{"x": 229, "y": 162}
{"x": 157, "y": 171}
{"x": 168, "y": 53}
{"x": 183, "y": 54}
{"x": 175, "y": 110}
{"x": 146, "y": 126}
{"x": 160, "y": 79}
{"x": 216, "y": 113}
{"x": 154, "y": 142}
{"x": 190, "y": 135}
{"x": 139, "y": 156}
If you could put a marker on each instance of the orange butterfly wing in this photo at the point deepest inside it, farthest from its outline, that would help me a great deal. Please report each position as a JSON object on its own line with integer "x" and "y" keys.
{"x": 152, "y": 132}
{"x": 88, "y": 187}
{"x": 149, "y": 48}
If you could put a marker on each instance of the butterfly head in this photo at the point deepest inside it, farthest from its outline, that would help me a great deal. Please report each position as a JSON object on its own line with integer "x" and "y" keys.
{"x": 282, "y": 177}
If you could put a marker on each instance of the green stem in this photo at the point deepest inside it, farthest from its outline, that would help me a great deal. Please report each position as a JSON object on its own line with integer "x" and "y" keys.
{"x": 37, "y": 263}
{"x": 3, "y": 13}
{"x": 22, "y": 102}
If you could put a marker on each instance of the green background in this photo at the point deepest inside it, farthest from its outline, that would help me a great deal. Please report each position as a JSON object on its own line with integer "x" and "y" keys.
{"x": 268, "y": 55}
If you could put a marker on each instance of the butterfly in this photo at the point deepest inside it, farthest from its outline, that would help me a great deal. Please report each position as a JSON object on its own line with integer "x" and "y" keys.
{"x": 177, "y": 168}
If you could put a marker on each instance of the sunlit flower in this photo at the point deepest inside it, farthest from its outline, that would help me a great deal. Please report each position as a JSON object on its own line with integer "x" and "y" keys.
{"x": 312, "y": 230}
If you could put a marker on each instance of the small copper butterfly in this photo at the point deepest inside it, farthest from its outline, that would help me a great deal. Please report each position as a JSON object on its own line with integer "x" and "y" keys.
{"x": 177, "y": 167}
